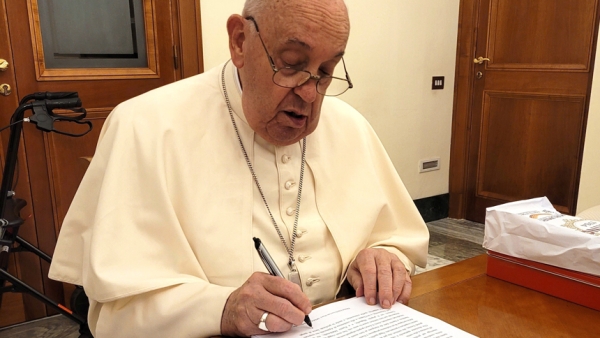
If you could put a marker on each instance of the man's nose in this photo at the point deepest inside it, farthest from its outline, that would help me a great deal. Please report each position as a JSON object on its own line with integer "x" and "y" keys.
{"x": 307, "y": 91}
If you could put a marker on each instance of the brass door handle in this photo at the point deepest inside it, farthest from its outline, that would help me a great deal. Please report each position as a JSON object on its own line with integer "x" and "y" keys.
{"x": 480, "y": 60}
{"x": 3, "y": 65}
{"x": 5, "y": 89}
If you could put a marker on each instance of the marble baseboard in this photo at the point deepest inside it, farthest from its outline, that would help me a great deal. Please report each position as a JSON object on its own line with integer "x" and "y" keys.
{"x": 434, "y": 207}
{"x": 453, "y": 249}
{"x": 458, "y": 228}
{"x": 452, "y": 240}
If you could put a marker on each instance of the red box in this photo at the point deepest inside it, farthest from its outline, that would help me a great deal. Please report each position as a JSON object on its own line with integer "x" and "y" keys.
{"x": 574, "y": 286}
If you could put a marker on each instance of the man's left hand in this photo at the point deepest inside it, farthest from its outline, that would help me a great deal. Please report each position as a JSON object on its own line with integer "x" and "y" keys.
{"x": 378, "y": 274}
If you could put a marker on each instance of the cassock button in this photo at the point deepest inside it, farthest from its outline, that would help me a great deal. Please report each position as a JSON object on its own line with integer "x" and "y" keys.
{"x": 303, "y": 259}
{"x": 290, "y": 211}
{"x": 289, "y": 185}
{"x": 285, "y": 159}
{"x": 312, "y": 281}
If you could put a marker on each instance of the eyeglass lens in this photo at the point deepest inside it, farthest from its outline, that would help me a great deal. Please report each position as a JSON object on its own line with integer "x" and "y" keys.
{"x": 330, "y": 86}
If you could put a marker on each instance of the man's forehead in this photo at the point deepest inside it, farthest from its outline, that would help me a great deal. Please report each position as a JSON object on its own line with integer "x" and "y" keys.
{"x": 306, "y": 25}
{"x": 308, "y": 34}
{"x": 310, "y": 16}
{"x": 278, "y": 5}
{"x": 297, "y": 42}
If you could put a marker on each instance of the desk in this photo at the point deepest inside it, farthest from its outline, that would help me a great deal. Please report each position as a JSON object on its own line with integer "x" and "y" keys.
{"x": 462, "y": 295}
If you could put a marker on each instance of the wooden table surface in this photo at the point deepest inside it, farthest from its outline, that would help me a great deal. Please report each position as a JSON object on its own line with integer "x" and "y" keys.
{"x": 462, "y": 295}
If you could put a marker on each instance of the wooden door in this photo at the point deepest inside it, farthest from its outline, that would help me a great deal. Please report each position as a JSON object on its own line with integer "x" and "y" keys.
{"x": 45, "y": 44}
{"x": 519, "y": 119}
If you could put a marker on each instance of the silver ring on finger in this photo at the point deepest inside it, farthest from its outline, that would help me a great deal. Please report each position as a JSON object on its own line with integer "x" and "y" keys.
{"x": 263, "y": 322}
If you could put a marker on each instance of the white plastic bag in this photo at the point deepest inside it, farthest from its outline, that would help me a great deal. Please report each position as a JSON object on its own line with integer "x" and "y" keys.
{"x": 534, "y": 230}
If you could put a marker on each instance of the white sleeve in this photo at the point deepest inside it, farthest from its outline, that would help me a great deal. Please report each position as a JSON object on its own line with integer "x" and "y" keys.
{"x": 185, "y": 310}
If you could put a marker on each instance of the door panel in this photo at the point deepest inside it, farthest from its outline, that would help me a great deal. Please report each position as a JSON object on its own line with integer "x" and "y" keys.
{"x": 519, "y": 118}
{"x": 537, "y": 35}
{"x": 46, "y": 53}
{"x": 530, "y": 137}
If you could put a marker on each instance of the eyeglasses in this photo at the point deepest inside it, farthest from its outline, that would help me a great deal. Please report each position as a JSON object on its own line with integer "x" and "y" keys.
{"x": 289, "y": 77}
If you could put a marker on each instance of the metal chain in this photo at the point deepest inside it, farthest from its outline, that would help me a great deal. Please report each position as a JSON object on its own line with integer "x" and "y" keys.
{"x": 289, "y": 249}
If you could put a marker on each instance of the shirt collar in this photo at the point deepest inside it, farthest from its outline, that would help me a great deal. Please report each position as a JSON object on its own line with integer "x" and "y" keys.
{"x": 234, "y": 90}
{"x": 237, "y": 79}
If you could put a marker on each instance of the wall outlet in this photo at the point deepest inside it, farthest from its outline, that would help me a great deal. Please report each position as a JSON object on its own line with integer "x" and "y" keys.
{"x": 429, "y": 164}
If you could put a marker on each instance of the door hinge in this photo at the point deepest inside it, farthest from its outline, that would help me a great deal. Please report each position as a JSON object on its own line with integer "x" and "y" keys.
{"x": 175, "y": 57}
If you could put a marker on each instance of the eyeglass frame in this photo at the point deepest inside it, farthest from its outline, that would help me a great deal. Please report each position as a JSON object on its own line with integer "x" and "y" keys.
{"x": 311, "y": 76}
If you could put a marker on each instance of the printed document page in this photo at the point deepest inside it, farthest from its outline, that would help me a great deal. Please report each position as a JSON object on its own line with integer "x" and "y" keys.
{"x": 354, "y": 318}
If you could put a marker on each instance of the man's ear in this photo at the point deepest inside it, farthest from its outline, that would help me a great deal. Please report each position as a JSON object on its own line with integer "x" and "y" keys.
{"x": 237, "y": 37}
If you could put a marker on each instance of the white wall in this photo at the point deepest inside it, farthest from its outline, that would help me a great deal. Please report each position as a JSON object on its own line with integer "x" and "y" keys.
{"x": 589, "y": 186}
{"x": 396, "y": 47}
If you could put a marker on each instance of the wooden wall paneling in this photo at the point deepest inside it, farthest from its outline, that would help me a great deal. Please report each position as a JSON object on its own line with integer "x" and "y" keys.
{"x": 12, "y": 310}
{"x": 525, "y": 124}
{"x": 37, "y": 230}
{"x": 475, "y": 110}
{"x": 177, "y": 45}
{"x": 11, "y": 307}
{"x": 463, "y": 84}
{"x": 525, "y": 42}
{"x": 492, "y": 164}
{"x": 542, "y": 82}
{"x": 25, "y": 266}
{"x": 190, "y": 36}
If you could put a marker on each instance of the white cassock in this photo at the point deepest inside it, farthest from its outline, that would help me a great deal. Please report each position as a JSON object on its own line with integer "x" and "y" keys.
{"x": 160, "y": 231}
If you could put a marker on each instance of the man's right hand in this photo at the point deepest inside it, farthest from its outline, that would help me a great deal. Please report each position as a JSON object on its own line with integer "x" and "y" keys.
{"x": 283, "y": 300}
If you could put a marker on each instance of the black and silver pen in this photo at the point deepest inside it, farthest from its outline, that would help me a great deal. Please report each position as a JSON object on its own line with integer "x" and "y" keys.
{"x": 272, "y": 266}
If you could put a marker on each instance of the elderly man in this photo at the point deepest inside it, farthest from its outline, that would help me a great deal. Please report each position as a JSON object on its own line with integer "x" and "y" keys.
{"x": 160, "y": 231}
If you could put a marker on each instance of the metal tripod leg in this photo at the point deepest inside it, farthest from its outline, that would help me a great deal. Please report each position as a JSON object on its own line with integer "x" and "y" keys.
{"x": 19, "y": 286}
{"x": 29, "y": 247}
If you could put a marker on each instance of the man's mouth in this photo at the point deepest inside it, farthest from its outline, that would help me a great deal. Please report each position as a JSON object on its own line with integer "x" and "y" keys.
{"x": 297, "y": 119}
{"x": 293, "y": 114}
